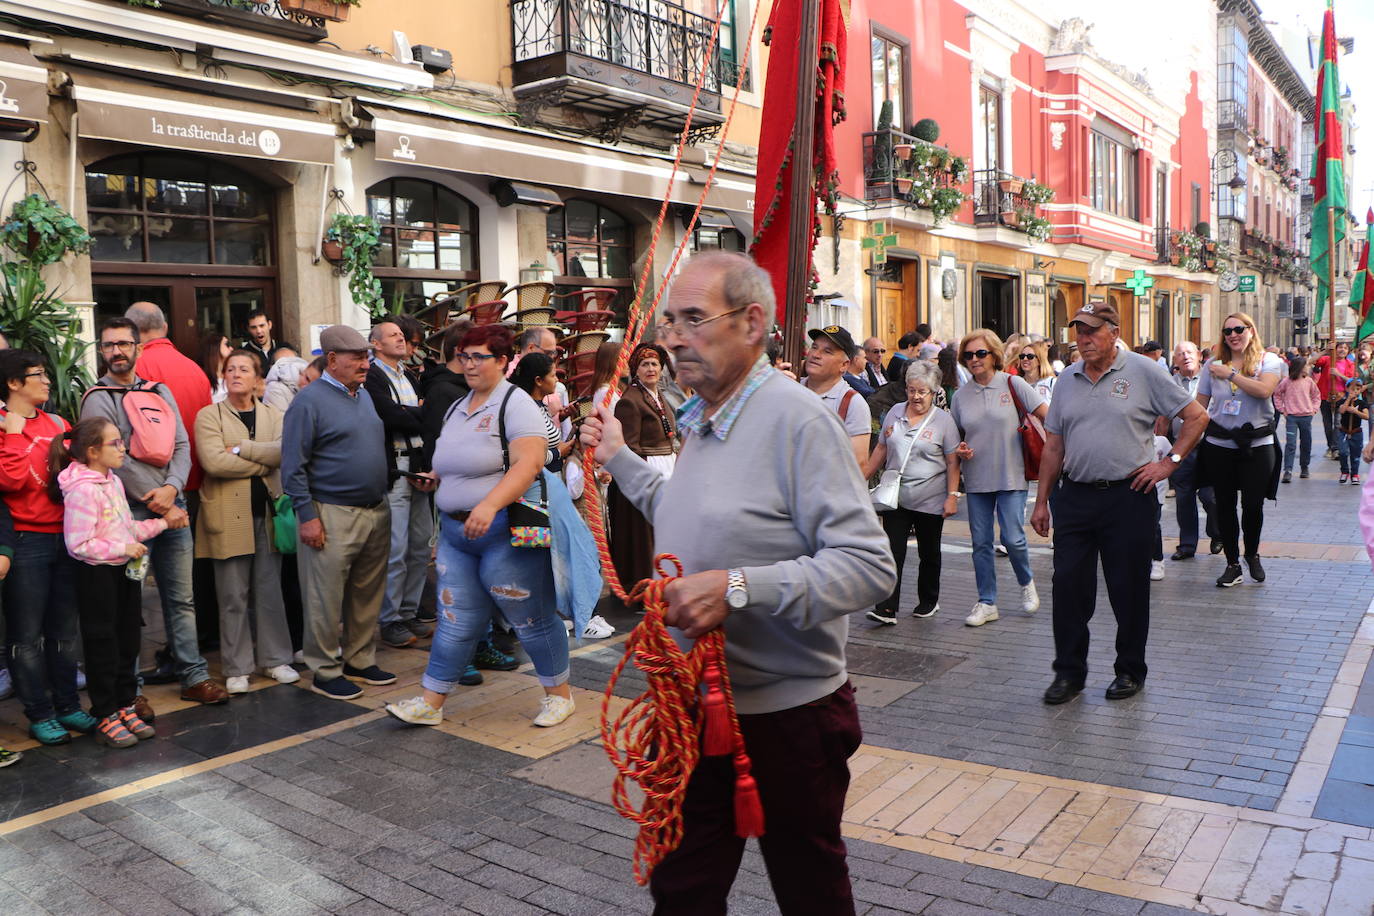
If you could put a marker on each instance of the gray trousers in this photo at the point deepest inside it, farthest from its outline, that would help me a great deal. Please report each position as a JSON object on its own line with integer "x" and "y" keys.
{"x": 342, "y": 586}
{"x": 412, "y": 531}
{"x": 252, "y": 618}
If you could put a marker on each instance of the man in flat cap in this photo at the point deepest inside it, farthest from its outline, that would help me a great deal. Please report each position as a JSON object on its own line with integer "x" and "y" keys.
{"x": 334, "y": 468}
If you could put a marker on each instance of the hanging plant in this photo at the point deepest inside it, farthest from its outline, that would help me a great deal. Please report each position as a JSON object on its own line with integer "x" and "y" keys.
{"x": 359, "y": 239}
{"x": 1037, "y": 227}
{"x": 42, "y": 233}
{"x": 1035, "y": 194}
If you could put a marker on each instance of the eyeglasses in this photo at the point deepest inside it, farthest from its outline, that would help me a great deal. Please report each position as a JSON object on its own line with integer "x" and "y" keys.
{"x": 1238, "y": 329}
{"x": 976, "y": 354}
{"x": 127, "y": 346}
{"x": 40, "y": 374}
{"x": 691, "y": 325}
{"x": 474, "y": 358}
{"x": 117, "y": 443}
{"x": 876, "y": 350}
{"x": 1026, "y": 356}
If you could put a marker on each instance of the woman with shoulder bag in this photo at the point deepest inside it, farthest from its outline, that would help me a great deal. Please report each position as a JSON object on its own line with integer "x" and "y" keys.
{"x": 489, "y": 458}
{"x": 238, "y": 442}
{"x": 919, "y": 488}
{"x": 988, "y": 410}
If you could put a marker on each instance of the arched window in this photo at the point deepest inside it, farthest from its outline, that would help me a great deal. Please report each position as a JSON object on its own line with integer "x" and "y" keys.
{"x": 171, "y": 208}
{"x": 429, "y": 239}
{"x": 590, "y": 245}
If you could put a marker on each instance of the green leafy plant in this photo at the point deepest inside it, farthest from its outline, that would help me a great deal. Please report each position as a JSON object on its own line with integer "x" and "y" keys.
{"x": 37, "y": 319}
{"x": 360, "y": 237}
{"x": 1203, "y": 230}
{"x": 926, "y": 129}
{"x": 1036, "y": 194}
{"x": 41, "y": 232}
{"x": 1035, "y": 226}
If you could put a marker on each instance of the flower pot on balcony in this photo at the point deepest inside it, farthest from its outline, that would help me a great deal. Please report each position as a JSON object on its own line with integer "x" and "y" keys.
{"x": 1011, "y": 185}
{"x": 902, "y": 151}
{"x": 903, "y": 184}
{"x": 1210, "y": 246}
{"x": 1011, "y": 218}
{"x": 332, "y": 251}
{"x": 1174, "y": 258}
{"x": 325, "y": 9}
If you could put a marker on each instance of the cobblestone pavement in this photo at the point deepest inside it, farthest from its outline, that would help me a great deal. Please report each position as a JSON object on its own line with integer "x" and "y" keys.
{"x": 1236, "y": 782}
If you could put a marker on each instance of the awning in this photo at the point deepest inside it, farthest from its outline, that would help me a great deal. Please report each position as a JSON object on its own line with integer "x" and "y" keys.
{"x": 149, "y": 115}
{"x": 461, "y": 146}
{"x": 23, "y": 86}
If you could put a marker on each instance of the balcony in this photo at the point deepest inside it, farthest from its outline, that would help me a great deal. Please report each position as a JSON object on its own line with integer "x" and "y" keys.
{"x": 904, "y": 169}
{"x": 268, "y": 17}
{"x": 1185, "y": 249}
{"x": 1003, "y": 199}
{"x": 631, "y": 62}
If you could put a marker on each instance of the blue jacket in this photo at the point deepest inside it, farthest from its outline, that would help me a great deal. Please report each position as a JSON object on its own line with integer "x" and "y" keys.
{"x": 576, "y": 566}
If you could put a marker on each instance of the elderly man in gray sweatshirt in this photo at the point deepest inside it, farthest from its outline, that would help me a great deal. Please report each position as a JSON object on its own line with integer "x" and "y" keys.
{"x": 779, "y": 543}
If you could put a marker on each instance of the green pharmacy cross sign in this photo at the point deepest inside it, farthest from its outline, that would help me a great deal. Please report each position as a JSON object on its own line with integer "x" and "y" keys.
{"x": 878, "y": 241}
{"x": 1139, "y": 283}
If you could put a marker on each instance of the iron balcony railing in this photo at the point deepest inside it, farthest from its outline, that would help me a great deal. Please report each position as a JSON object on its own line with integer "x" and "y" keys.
{"x": 649, "y": 36}
{"x": 890, "y": 168}
{"x": 997, "y": 198}
{"x": 267, "y": 16}
{"x": 1163, "y": 243}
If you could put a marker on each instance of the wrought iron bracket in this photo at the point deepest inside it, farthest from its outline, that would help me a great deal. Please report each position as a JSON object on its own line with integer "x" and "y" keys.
{"x": 701, "y": 132}
{"x": 530, "y": 107}
{"x": 613, "y": 127}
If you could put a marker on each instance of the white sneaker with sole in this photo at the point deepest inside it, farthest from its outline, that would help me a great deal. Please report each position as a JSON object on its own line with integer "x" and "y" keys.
{"x": 999, "y": 549}
{"x": 236, "y": 684}
{"x": 552, "y": 710}
{"x": 982, "y": 613}
{"x": 283, "y": 674}
{"x": 1156, "y": 570}
{"x": 597, "y": 628}
{"x": 1030, "y": 598}
{"x": 416, "y": 712}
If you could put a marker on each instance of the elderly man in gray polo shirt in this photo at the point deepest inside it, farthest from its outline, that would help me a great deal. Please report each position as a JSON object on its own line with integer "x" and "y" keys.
{"x": 1098, "y": 475}
{"x": 831, "y": 350}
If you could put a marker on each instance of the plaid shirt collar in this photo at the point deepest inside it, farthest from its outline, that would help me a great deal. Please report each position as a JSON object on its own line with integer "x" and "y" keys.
{"x": 692, "y": 418}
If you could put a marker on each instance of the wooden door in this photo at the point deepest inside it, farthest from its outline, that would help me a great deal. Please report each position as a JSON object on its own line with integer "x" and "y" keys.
{"x": 889, "y": 315}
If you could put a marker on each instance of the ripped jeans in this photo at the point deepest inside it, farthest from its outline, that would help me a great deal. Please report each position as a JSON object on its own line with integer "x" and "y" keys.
{"x": 478, "y": 578}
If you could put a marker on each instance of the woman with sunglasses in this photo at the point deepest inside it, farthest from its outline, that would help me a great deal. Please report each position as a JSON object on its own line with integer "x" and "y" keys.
{"x": 1034, "y": 362}
{"x": 1240, "y": 456}
{"x": 994, "y": 473}
{"x": 41, "y": 620}
{"x": 489, "y": 456}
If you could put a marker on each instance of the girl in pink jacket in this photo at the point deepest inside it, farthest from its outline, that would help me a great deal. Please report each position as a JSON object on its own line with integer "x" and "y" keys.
{"x": 101, "y": 533}
{"x": 1298, "y": 399}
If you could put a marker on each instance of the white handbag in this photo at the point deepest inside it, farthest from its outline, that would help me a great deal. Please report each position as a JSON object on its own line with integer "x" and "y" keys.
{"x": 889, "y": 487}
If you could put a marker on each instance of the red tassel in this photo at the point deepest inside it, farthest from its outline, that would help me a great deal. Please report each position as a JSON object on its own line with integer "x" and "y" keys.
{"x": 748, "y": 807}
{"x": 718, "y": 737}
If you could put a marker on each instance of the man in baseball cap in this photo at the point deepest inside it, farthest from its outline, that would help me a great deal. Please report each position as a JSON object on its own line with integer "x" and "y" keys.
{"x": 334, "y": 468}
{"x": 831, "y": 350}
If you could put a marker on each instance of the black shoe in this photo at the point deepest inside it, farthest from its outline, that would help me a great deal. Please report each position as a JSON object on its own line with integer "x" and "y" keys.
{"x": 337, "y": 689}
{"x": 1183, "y": 553}
{"x": 1062, "y": 690}
{"x": 1217, "y": 547}
{"x": 1256, "y": 570}
{"x": 1124, "y": 686}
{"x": 1230, "y": 577}
{"x": 883, "y": 616}
{"x": 1303, "y": 474}
{"x": 369, "y": 675}
{"x": 926, "y": 610}
{"x": 1287, "y": 476}
{"x": 164, "y": 673}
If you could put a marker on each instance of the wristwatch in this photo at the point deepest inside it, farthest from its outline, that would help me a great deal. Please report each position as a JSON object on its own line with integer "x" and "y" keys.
{"x": 736, "y": 590}
{"x": 1175, "y": 457}
{"x": 235, "y": 450}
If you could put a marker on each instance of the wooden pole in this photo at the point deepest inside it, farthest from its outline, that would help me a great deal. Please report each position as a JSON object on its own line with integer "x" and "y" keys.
{"x": 803, "y": 207}
{"x": 1331, "y": 286}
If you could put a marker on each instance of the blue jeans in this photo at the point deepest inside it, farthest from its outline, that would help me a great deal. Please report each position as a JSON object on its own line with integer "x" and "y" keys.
{"x": 1297, "y": 429}
{"x": 171, "y": 553}
{"x": 1010, "y": 507}
{"x": 1348, "y": 446}
{"x": 42, "y": 625}
{"x": 412, "y": 528}
{"x": 478, "y": 578}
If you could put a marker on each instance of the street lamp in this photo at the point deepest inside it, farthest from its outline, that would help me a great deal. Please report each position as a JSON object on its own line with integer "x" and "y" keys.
{"x": 1226, "y": 159}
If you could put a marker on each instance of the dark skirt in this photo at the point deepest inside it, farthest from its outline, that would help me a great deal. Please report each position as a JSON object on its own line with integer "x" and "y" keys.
{"x": 632, "y": 539}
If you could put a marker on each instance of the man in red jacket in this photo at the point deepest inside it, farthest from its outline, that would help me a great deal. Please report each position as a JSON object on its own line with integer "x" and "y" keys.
{"x": 160, "y": 361}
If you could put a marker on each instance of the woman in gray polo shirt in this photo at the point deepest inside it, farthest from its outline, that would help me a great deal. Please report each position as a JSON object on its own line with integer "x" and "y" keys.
{"x": 994, "y": 472}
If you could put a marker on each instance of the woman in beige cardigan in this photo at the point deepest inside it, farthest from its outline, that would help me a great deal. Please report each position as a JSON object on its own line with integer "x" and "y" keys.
{"x": 238, "y": 441}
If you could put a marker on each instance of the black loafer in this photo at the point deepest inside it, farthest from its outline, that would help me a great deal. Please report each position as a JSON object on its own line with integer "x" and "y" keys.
{"x": 1124, "y": 686}
{"x": 1062, "y": 690}
{"x": 1182, "y": 554}
{"x": 1217, "y": 546}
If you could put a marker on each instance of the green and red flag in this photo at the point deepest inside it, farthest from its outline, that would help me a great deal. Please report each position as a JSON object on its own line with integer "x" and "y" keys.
{"x": 1328, "y": 166}
{"x": 1362, "y": 289}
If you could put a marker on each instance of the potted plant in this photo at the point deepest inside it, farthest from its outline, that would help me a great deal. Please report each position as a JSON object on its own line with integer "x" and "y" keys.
{"x": 945, "y": 201}
{"x": 334, "y": 10}
{"x": 1037, "y": 227}
{"x": 1011, "y": 218}
{"x": 1011, "y": 185}
{"x": 43, "y": 232}
{"x": 1035, "y": 194}
{"x": 902, "y": 150}
{"x": 359, "y": 239}
{"x": 926, "y": 129}
{"x": 903, "y": 184}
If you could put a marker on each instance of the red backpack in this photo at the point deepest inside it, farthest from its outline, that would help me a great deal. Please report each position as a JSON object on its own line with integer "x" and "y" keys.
{"x": 152, "y": 423}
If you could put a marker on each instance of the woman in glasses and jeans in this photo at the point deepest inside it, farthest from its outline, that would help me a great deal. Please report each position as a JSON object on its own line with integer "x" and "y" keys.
{"x": 1240, "y": 455}
{"x": 480, "y": 572}
{"x": 994, "y": 473}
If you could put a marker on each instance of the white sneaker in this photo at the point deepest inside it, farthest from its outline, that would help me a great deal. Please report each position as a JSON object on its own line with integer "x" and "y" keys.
{"x": 298, "y": 658}
{"x": 597, "y": 628}
{"x": 982, "y": 613}
{"x": 236, "y": 684}
{"x": 552, "y": 710}
{"x": 416, "y": 711}
{"x": 1156, "y": 570}
{"x": 283, "y": 674}
{"x": 999, "y": 549}
{"x": 6, "y": 685}
{"x": 1030, "y": 598}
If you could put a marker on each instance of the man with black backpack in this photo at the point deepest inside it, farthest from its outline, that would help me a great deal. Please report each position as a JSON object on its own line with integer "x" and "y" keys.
{"x": 154, "y": 475}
